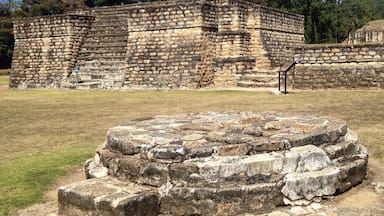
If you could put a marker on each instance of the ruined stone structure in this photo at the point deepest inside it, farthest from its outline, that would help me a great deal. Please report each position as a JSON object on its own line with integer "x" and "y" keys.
{"x": 372, "y": 32}
{"x": 356, "y": 64}
{"x": 171, "y": 44}
{"x": 217, "y": 164}
{"x": 346, "y": 66}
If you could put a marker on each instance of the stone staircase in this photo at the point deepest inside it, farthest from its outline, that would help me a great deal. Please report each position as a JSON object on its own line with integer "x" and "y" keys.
{"x": 259, "y": 79}
{"x": 102, "y": 56}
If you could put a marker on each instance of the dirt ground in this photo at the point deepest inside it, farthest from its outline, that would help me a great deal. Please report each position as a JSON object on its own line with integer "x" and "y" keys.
{"x": 366, "y": 199}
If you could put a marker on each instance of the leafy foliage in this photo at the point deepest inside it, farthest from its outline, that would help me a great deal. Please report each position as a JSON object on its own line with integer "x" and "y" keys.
{"x": 6, "y": 35}
{"x": 42, "y": 7}
{"x": 330, "y": 21}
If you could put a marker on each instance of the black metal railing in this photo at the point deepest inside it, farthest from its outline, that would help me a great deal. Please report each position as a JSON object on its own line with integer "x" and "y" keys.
{"x": 285, "y": 72}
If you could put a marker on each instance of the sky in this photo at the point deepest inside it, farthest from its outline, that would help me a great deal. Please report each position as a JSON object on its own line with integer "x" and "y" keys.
{"x": 3, "y": 1}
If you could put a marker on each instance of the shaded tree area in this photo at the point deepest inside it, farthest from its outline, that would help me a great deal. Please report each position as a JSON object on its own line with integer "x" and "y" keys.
{"x": 326, "y": 21}
{"x": 330, "y": 21}
{"x": 6, "y": 32}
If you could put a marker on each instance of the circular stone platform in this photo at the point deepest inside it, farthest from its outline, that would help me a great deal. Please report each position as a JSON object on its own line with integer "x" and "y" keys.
{"x": 218, "y": 164}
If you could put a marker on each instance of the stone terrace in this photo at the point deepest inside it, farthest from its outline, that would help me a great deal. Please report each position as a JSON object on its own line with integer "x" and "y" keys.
{"x": 217, "y": 164}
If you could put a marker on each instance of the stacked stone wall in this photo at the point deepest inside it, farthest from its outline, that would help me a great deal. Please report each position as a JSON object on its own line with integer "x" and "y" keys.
{"x": 167, "y": 46}
{"x": 232, "y": 15}
{"x": 234, "y": 43}
{"x": 46, "y": 49}
{"x": 359, "y": 66}
{"x": 273, "y": 33}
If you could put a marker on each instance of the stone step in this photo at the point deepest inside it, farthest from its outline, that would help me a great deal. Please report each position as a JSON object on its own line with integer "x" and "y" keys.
{"x": 353, "y": 171}
{"x": 106, "y": 58}
{"x": 107, "y": 196}
{"x": 267, "y": 73}
{"x": 225, "y": 200}
{"x": 120, "y": 24}
{"x": 104, "y": 62}
{"x": 98, "y": 42}
{"x": 97, "y": 78}
{"x": 108, "y": 28}
{"x": 309, "y": 185}
{"x": 83, "y": 59}
{"x": 332, "y": 180}
{"x": 343, "y": 149}
{"x": 101, "y": 64}
{"x": 102, "y": 18}
{"x": 110, "y": 24}
{"x": 96, "y": 35}
{"x": 251, "y": 84}
{"x": 116, "y": 15}
{"x": 96, "y": 54}
{"x": 93, "y": 31}
{"x": 347, "y": 148}
{"x": 95, "y": 44}
{"x": 104, "y": 46}
{"x": 112, "y": 12}
{"x": 259, "y": 78}
{"x": 111, "y": 34}
{"x": 88, "y": 85}
{"x": 99, "y": 72}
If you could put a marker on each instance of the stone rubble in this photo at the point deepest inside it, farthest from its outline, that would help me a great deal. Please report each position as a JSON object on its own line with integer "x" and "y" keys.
{"x": 229, "y": 163}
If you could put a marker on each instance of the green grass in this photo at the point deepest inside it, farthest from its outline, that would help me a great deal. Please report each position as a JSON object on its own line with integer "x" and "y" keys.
{"x": 4, "y": 77}
{"x": 25, "y": 181}
{"x": 43, "y": 133}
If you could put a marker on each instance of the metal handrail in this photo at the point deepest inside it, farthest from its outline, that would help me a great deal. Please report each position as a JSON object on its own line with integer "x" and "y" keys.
{"x": 285, "y": 77}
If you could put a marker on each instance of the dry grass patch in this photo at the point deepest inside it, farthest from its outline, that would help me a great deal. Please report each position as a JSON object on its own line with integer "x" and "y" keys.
{"x": 45, "y": 132}
{"x": 4, "y": 80}
{"x": 4, "y": 72}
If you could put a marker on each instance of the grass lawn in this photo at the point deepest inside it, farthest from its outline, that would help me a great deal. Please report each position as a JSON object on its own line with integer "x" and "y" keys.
{"x": 43, "y": 133}
{"x": 4, "y": 80}
{"x": 4, "y": 77}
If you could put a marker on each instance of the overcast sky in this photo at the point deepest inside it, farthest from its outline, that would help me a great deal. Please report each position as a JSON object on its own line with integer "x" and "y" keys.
{"x": 3, "y": 1}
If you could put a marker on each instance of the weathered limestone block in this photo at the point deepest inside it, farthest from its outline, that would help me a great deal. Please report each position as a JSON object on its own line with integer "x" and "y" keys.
{"x": 95, "y": 169}
{"x": 107, "y": 196}
{"x": 306, "y": 158}
{"x": 308, "y": 185}
{"x": 118, "y": 139}
{"x": 224, "y": 200}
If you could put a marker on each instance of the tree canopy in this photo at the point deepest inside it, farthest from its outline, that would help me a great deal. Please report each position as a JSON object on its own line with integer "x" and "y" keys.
{"x": 326, "y": 21}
